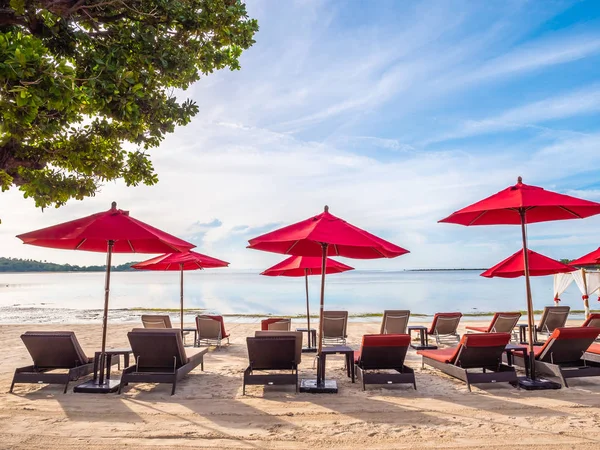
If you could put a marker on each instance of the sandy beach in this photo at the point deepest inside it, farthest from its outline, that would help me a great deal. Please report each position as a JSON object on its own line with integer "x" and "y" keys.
{"x": 209, "y": 411}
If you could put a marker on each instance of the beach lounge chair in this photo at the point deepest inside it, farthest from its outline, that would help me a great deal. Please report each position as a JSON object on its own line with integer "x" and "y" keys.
{"x": 51, "y": 351}
{"x": 270, "y": 354}
{"x": 156, "y": 321}
{"x": 394, "y": 321}
{"x": 211, "y": 330}
{"x": 552, "y": 318}
{"x": 444, "y": 326}
{"x": 563, "y": 354}
{"x": 502, "y": 322}
{"x": 276, "y": 324}
{"x": 335, "y": 324}
{"x": 160, "y": 357}
{"x": 474, "y": 351}
{"x": 592, "y": 321}
{"x": 380, "y": 352}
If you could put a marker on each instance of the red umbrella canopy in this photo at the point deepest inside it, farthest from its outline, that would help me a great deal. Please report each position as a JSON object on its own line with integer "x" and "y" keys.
{"x": 92, "y": 233}
{"x": 539, "y": 205}
{"x": 298, "y": 266}
{"x": 591, "y": 259}
{"x": 174, "y": 261}
{"x": 539, "y": 265}
{"x": 306, "y": 238}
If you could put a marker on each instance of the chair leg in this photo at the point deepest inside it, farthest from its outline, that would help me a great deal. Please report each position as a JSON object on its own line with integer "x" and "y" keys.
{"x": 174, "y": 386}
{"x": 66, "y": 387}
{"x": 12, "y": 385}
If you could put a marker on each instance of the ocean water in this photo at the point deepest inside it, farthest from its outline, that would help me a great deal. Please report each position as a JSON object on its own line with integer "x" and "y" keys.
{"x": 78, "y": 297}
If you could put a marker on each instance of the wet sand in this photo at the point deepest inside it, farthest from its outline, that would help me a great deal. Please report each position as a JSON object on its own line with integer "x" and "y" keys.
{"x": 209, "y": 411}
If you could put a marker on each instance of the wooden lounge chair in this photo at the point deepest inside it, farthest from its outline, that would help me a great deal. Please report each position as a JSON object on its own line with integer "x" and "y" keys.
{"x": 502, "y": 322}
{"x": 160, "y": 357}
{"x": 335, "y": 324}
{"x": 271, "y": 353}
{"x": 211, "y": 330}
{"x": 444, "y": 326}
{"x": 475, "y": 351}
{"x": 380, "y": 352}
{"x": 552, "y": 318}
{"x": 562, "y": 355}
{"x": 276, "y": 324}
{"x": 394, "y": 321}
{"x": 50, "y": 351}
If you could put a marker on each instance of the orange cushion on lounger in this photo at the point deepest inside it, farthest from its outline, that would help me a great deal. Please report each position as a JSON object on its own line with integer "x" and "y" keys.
{"x": 219, "y": 319}
{"x": 386, "y": 340}
{"x": 594, "y": 348}
{"x": 444, "y": 355}
{"x": 575, "y": 333}
{"x": 485, "y": 340}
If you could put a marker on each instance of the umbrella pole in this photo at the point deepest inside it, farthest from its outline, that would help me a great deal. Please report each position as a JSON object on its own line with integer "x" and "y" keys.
{"x": 181, "y": 296}
{"x": 105, "y": 317}
{"x": 323, "y": 269}
{"x": 586, "y": 302}
{"x": 530, "y": 318}
{"x": 307, "y": 307}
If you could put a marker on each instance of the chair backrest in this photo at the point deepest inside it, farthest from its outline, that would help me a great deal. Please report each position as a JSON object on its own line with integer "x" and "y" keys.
{"x": 504, "y": 322}
{"x": 280, "y": 325}
{"x": 295, "y": 334}
{"x": 383, "y": 351}
{"x": 480, "y": 350}
{"x": 553, "y": 317}
{"x": 567, "y": 345}
{"x": 335, "y": 324}
{"x": 593, "y": 320}
{"x": 220, "y": 320}
{"x": 445, "y": 323}
{"x": 264, "y": 324}
{"x": 395, "y": 321}
{"x": 156, "y": 321}
{"x": 54, "y": 349}
{"x": 208, "y": 328}
{"x": 272, "y": 352}
{"x": 157, "y": 349}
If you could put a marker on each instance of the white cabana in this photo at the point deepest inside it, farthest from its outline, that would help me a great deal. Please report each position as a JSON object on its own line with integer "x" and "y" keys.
{"x": 561, "y": 283}
{"x": 588, "y": 283}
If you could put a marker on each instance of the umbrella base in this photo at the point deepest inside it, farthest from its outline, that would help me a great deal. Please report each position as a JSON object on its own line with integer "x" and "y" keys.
{"x": 94, "y": 387}
{"x": 536, "y": 384}
{"x": 309, "y": 349}
{"x": 325, "y": 387}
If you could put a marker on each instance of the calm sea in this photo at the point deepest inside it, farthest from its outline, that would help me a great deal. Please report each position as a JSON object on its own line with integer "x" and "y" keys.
{"x": 78, "y": 297}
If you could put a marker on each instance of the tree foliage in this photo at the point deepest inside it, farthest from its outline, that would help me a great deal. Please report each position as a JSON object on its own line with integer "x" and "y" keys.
{"x": 88, "y": 87}
{"x": 30, "y": 265}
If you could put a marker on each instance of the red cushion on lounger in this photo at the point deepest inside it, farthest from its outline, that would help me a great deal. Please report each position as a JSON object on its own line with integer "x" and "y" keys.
{"x": 594, "y": 348}
{"x": 219, "y": 319}
{"x": 264, "y": 324}
{"x": 485, "y": 340}
{"x": 386, "y": 340}
{"x": 444, "y": 355}
{"x": 480, "y": 329}
{"x": 575, "y": 333}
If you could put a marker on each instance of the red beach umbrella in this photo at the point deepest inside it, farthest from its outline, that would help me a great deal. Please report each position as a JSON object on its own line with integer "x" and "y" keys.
{"x": 519, "y": 205}
{"x": 539, "y": 265}
{"x": 181, "y": 261}
{"x": 303, "y": 266}
{"x": 325, "y": 235}
{"x": 590, "y": 259}
{"x": 112, "y": 231}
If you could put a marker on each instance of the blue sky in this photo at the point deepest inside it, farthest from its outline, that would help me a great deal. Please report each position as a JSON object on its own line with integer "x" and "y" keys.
{"x": 394, "y": 114}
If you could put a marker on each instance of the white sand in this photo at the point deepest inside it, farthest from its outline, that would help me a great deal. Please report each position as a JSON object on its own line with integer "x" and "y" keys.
{"x": 209, "y": 411}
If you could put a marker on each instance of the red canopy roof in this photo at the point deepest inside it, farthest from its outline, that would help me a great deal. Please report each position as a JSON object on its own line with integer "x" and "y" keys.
{"x": 174, "y": 261}
{"x": 306, "y": 238}
{"x": 538, "y": 204}
{"x": 92, "y": 233}
{"x": 539, "y": 265}
{"x": 298, "y": 266}
{"x": 591, "y": 259}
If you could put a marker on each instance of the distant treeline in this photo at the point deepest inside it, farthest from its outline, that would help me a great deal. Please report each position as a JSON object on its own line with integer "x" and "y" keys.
{"x": 30, "y": 265}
